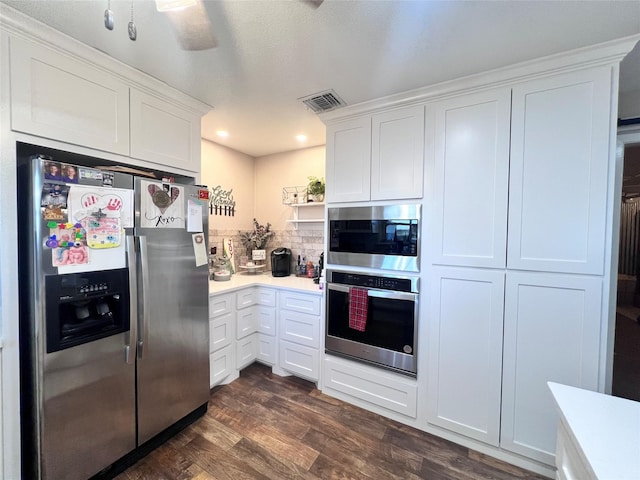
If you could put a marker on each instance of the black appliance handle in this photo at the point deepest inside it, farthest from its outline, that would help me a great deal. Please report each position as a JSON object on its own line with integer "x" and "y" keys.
{"x": 373, "y": 292}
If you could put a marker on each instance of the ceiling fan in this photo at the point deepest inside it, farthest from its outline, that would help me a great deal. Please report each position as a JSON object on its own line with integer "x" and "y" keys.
{"x": 191, "y": 25}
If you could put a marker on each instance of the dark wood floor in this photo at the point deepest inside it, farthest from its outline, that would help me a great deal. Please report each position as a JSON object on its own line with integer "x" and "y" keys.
{"x": 263, "y": 426}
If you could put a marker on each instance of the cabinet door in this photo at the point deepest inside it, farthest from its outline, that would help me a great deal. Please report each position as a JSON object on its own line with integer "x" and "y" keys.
{"x": 465, "y": 351}
{"x": 551, "y": 333}
{"x": 348, "y": 166}
{"x": 162, "y": 132}
{"x": 559, "y": 172}
{"x": 56, "y": 96}
{"x": 471, "y": 177}
{"x": 397, "y": 154}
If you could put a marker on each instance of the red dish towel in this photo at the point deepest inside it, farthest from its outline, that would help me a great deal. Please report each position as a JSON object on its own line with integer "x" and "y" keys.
{"x": 358, "y": 300}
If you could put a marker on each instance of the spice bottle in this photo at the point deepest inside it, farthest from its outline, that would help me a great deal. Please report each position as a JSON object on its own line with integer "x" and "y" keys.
{"x": 310, "y": 269}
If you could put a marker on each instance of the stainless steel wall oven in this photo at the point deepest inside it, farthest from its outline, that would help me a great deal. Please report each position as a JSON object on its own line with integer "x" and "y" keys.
{"x": 384, "y": 236}
{"x": 373, "y": 319}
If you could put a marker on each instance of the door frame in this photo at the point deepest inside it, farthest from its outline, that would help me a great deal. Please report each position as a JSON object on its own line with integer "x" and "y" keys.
{"x": 627, "y": 135}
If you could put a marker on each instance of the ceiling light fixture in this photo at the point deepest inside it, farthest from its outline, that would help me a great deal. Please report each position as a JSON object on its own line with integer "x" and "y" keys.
{"x": 301, "y": 138}
{"x": 172, "y": 5}
{"x": 222, "y": 133}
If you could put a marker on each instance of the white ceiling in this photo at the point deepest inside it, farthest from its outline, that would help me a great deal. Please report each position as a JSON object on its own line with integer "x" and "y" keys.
{"x": 272, "y": 52}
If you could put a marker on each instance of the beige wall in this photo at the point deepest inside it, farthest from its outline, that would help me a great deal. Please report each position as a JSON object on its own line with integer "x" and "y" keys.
{"x": 231, "y": 170}
{"x": 274, "y": 172}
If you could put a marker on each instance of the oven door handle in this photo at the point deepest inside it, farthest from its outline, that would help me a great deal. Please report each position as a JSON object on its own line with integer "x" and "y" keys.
{"x": 371, "y": 292}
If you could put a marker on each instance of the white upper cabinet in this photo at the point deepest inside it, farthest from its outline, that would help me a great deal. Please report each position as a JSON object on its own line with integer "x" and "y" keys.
{"x": 376, "y": 157}
{"x": 348, "y": 164}
{"x": 164, "y": 133}
{"x": 559, "y": 172}
{"x": 56, "y": 96}
{"x": 397, "y": 154}
{"x": 551, "y": 333}
{"x": 470, "y": 179}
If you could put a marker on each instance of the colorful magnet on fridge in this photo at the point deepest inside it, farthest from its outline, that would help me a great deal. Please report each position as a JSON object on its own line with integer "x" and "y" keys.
{"x": 52, "y": 242}
{"x": 52, "y": 224}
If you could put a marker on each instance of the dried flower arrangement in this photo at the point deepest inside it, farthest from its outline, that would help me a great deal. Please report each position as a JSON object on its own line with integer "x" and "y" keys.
{"x": 258, "y": 238}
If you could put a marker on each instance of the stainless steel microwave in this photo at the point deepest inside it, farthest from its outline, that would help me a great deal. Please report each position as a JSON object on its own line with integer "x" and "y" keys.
{"x": 383, "y": 236}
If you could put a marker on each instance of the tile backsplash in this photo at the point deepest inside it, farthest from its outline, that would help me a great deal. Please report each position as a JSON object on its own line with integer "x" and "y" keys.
{"x": 307, "y": 242}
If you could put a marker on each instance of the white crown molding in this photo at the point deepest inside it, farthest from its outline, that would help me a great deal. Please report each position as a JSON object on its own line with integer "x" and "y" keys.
{"x": 17, "y": 24}
{"x": 607, "y": 53}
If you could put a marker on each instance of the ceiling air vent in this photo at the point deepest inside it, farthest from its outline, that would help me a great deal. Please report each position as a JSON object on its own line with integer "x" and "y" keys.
{"x": 323, "y": 101}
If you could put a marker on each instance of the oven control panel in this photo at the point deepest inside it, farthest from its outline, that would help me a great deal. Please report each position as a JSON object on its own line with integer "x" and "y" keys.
{"x": 400, "y": 284}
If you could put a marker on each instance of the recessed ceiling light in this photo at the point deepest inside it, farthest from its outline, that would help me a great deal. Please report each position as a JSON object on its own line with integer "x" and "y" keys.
{"x": 222, "y": 133}
{"x": 301, "y": 138}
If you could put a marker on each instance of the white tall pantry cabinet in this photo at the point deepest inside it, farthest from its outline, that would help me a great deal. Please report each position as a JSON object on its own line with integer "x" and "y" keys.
{"x": 554, "y": 181}
{"x": 517, "y": 244}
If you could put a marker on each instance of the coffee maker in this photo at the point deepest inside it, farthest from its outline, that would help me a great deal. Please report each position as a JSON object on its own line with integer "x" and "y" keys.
{"x": 281, "y": 262}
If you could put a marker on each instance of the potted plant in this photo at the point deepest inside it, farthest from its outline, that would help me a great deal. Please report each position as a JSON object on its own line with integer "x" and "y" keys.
{"x": 315, "y": 189}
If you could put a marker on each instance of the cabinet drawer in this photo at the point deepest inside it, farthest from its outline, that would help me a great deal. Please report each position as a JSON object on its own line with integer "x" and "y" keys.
{"x": 246, "y": 298}
{"x": 221, "y": 364}
{"x": 266, "y": 318}
{"x": 300, "y": 328}
{"x": 300, "y": 360}
{"x": 372, "y": 385}
{"x": 221, "y": 332}
{"x": 247, "y": 350}
{"x": 266, "y": 297}
{"x": 246, "y": 322}
{"x": 267, "y": 349}
{"x": 299, "y": 302}
{"x": 220, "y": 305}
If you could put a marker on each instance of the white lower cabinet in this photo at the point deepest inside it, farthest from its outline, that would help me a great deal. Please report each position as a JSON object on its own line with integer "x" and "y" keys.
{"x": 222, "y": 364}
{"x": 267, "y": 350}
{"x": 465, "y": 351}
{"x": 299, "y": 334}
{"x": 376, "y": 387}
{"x": 222, "y": 335}
{"x": 246, "y": 350}
{"x": 551, "y": 333}
{"x": 266, "y": 320}
{"x": 300, "y": 360}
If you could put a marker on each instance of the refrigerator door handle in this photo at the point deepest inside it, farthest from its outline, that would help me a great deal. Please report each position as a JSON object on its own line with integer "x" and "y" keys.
{"x": 143, "y": 318}
{"x": 131, "y": 338}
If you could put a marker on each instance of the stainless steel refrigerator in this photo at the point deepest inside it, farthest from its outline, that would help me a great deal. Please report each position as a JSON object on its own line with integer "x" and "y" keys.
{"x": 113, "y": 312}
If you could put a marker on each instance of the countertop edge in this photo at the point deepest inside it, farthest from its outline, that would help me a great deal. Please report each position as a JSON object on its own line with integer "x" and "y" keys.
{"x": 240, "y": 281}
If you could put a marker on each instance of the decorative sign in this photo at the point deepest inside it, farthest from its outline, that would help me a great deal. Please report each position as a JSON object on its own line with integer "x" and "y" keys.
{"x": 162, "y": 205}
{"x": 222, "y": 202}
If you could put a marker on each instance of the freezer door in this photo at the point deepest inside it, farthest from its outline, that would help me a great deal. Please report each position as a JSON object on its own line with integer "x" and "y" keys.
{"x": 173, "y": 356}
{"x": 89, "y": 409}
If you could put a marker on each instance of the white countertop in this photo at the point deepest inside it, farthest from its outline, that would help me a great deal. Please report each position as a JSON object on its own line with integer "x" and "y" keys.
{"x": 242, "y": 280}
{"x": 607, "y": 429}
